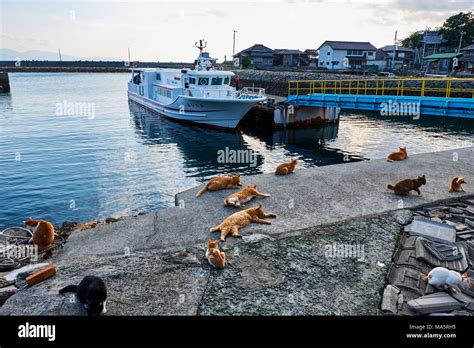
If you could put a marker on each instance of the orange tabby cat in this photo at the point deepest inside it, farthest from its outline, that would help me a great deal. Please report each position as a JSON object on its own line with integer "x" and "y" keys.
{"x": 215, "y": 257}
{"x": 43, "y": 232}
{"x": 286, "y": 168}
{"x": 221, "y": 183}
{"x": 398, "y": 155}
{"x": 405, "y": 186}
{"x": 238, "y": 199}
{"x": 456, "y": 184}
{"x": 241, "y": 219}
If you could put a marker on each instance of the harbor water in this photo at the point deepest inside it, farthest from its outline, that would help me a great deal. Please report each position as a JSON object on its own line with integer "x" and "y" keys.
{"x": 73, "y": 149}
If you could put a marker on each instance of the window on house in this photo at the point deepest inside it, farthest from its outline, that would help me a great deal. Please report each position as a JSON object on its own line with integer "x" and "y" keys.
{"x": 370, "y": 54}
{"x": 216, "y": 81}
{"x": 203, "y": 81}
{"x": 329, "y": 53}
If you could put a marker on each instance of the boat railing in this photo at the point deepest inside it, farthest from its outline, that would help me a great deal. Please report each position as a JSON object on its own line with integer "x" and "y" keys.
{"x": 219, "y": 93}
{"x": 252, "y": 92}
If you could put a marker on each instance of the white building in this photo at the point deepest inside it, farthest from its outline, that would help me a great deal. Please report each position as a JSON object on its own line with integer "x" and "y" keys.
{"x": 340, "y": 55}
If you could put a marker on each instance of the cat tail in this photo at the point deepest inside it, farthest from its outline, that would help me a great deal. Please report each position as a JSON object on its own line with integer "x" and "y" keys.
{"x": 69, "y": 288}
{"x": 390, "y": 187}
{"x": 201, "y": 191}
{"x": 215, "y": 229}
{"x": 389, "y": 160}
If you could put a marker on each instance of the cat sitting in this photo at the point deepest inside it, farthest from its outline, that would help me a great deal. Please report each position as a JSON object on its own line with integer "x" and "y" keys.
{"x": 241, "y": 219}
{"x": 91, "y": 292}
{"x": 43, "y": 232}
{"x": 215, "y": 257}
{"x": 398, "y": 155}
{"x": 286, "y": 168}
{"x": 221, "y": 183}
{"x": 238, "y": 199}
{"x": 405, "y": 186}
{"x": 455, "y": 184}
{"x": 444, "y": 279}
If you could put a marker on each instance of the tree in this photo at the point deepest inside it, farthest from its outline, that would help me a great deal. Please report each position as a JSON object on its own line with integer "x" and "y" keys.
{"x": 246, "y": 61}
{"x": 452, "y": 27}
{"x": 414, "y": 40}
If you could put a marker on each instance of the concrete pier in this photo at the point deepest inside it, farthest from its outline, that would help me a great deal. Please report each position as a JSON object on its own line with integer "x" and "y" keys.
{"x": 154, "y": 264}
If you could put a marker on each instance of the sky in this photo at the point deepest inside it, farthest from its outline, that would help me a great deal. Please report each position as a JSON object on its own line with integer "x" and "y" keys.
{"x": 163, "y": 31}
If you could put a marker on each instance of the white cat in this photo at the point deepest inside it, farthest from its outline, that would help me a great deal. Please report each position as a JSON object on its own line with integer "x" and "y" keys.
{"x": 444, "y": 279}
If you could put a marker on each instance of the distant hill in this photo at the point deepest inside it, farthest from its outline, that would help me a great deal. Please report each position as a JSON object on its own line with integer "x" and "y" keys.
{"x": 8, "y": 54}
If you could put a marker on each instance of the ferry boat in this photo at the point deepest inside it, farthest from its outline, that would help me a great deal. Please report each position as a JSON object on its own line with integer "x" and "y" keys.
{"x": 203, "y": 95}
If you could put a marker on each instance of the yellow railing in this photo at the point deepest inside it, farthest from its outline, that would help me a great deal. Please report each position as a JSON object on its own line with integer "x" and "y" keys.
{"x": 421, "y": 87}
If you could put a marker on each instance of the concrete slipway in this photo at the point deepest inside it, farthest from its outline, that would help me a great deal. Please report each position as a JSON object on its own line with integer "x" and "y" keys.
{"x": 154, "y": 264}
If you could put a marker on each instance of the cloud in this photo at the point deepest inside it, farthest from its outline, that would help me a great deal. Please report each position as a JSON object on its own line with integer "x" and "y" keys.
{"x": 421, "y": 13}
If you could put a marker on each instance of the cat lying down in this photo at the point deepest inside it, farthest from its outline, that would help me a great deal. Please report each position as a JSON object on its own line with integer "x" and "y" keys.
{"x": 398, "y": 155}
{"x": 232, "y": 223}
{"x": 221, "y": 183}
{"x": 245, "y": 195}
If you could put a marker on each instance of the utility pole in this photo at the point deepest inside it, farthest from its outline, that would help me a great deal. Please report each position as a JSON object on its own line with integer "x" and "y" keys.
{"x": 60, "y": 58}
{"x": 394, "y": 50}
{"x": 129, "y": 55}
{"x": 460, "y": 41}
{"x": 233, "y": 46}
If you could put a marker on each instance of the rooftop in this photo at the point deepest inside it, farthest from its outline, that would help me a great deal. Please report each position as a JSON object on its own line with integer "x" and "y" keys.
{"x": 443, "y": 56}
{"x": 257, "y": 48}
{"x": 389, "y": 48}
{"x": 349, "y": 45}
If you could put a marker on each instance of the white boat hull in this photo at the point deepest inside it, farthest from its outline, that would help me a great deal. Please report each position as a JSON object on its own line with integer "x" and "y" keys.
{"x": 220, "y": 113}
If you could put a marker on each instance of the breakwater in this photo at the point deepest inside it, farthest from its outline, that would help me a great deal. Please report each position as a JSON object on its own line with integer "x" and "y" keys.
{"x": 154, "y": 264}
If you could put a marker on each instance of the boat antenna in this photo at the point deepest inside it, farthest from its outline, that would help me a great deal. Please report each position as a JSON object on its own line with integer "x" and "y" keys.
{"x": 202, "y": 45}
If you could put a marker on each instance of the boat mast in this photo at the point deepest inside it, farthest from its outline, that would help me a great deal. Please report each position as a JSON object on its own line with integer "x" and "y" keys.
{"x": 202, "y": 45}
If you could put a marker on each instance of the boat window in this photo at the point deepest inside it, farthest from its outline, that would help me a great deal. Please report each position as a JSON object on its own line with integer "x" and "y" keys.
{"x": 158, "y": 77}
{"x": 192, "y": 81}
{"x": 163, "y": 92}
{"x": 203, "y": 81}
{"x": 226, "y": 80}
{"x": 216, "y": 81}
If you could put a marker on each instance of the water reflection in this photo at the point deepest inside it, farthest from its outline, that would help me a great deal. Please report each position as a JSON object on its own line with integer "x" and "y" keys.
{"x": 199, "y": 146}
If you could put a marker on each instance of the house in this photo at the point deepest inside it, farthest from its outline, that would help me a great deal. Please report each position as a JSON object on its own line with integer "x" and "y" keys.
{"x": 395, "y": 57}
{"x": 467, "y": 60}
{"x": 341, "y": 55}
{"x": 433, "y": 42}
{"x": 259, "y": 55}
{"x": 440, "y": 63}
{"x": 284, "y": 57}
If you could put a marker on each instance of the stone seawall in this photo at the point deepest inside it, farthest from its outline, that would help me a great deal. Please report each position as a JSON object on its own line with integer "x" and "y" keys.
{"x": 276, "y": 82}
